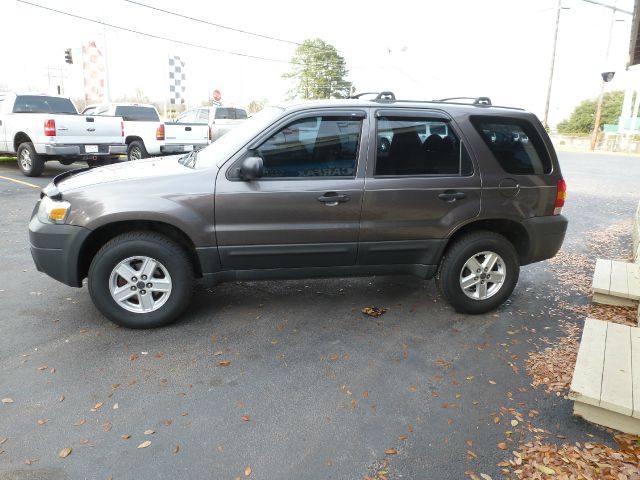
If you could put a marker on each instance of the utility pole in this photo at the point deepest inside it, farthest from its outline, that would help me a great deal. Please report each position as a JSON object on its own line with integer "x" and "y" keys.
{"x": 596, "y": 126}
{"x": 553, "y": 64}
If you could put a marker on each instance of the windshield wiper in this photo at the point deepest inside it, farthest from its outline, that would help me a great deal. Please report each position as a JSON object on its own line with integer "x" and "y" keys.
{"x": 189, "y": 160}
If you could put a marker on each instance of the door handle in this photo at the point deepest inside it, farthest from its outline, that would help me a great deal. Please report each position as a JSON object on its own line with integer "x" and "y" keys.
{"x": 332, "y": 198}
{"x": 451, "y": 196}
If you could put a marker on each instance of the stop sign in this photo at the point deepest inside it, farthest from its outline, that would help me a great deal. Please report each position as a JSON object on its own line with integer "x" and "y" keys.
{"x": 217, "y": 95}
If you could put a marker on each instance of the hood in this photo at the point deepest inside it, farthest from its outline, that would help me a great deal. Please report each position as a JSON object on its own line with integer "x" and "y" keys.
{"x": 124, "y": 171}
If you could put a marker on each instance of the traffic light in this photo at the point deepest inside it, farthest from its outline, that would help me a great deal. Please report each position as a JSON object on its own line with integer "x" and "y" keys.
{"x": 67, "y": 56}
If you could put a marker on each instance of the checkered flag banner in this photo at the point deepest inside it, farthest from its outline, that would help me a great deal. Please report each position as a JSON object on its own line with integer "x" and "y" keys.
{"x": 176, "y": 80}
{"x": 94, "y": 73}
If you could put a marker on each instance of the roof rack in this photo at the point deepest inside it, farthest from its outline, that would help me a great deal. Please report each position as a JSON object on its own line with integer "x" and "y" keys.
{"x": 380, "y": 96}
{"x": 476, "y": 100}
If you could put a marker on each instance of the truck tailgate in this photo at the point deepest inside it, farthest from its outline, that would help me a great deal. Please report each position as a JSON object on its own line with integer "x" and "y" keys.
{"x": 88, "y": 129}
{"x": 186, "y": 133}
{"x": 222, "y": 126}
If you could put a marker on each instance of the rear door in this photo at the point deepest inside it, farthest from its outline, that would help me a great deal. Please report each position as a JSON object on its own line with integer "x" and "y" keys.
{"x": 305, "y": 210}
{"x": 421, "y": 184}
{"x": 189, "y": 129}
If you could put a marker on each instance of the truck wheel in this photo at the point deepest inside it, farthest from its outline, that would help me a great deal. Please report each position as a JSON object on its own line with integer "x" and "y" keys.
{"x": 141, "y": 280}
{"x": 479, "y": 272}
{"x": 29, "y": 162}
{"x": 136, "y": 151}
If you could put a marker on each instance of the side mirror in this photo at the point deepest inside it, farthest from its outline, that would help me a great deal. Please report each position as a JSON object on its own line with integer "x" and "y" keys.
{"x": 251, "y": 168}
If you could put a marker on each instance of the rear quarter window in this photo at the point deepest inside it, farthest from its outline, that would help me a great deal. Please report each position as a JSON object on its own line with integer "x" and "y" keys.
{"x": 515, "y": 144}
{"x": 42, "y": 104}
{"x": 137, "y": 114}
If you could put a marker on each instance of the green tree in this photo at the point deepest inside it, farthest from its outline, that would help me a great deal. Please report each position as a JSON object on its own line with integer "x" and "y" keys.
{"x": 318, "y": 72}
{"x": 582, "y": 119}
{"x": 256, "y": 105}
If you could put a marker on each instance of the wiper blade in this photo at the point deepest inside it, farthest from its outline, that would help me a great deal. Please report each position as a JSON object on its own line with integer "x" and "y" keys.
{"x": 189, "y": 160}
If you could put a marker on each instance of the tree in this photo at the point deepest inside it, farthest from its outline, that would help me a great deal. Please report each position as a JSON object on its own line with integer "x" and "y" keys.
{"x": 256, "y": 105}
{"x": 582, "y": 119}
{"x": 318, "y": 72}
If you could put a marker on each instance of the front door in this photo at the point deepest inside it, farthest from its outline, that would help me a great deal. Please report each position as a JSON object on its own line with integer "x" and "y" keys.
{"x": 421, "y": 184}
{"x": 305, "y": 210}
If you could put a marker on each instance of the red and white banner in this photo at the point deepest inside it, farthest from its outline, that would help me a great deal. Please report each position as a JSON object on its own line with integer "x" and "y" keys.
{"x": 94, "y": 73}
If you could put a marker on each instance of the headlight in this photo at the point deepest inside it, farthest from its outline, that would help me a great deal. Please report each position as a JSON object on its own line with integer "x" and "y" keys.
{"x": 52, "y": 211}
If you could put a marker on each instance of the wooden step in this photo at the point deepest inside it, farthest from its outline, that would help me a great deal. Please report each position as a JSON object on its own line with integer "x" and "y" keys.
{"x": 616, "y": 283}
{"x": 606, "y": 380}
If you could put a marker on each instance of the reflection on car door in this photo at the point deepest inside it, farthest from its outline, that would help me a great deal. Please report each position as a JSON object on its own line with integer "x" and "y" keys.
{"x": 305, "y": 210}
{"x": 420, "y": 186}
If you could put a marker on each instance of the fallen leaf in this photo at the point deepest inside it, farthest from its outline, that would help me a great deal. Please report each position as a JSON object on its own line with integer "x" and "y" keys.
{"x": 353, "y": 403}
{"x": 144, "y": 444}
{"x": 514, "y": 423}
{"x": 30, "y": 461}
{"x": 471, "y": 455}
{"x": 77, "y": 423}
{"x": 492, "y": 382}
{"x": 126, "y": 436}
{"x": 43, "y": 367}
{"x": 98, "y": 405}
{"x": 3, "y": 439}
{"x": 413, "y": 388}
{"x": 484, "y": 476}
{"x": 115, "y": 406}
{"x": 247, "y": 471}
{"x": 365, "y": 394}
{"x": 545, "y": 469}
{"x": 245, "y": 418}
{"x": 6, "y": 401}
{"x": 224, "y": 363}
{"x": 218, "y": 353}
{"x": 391, "y": 451}
{"x": 373, "y": 311}
{"x": 167, "y": 423}
{"x": 61, "y": 398}
{"x": 502, "y": 446}
{"x": 106, "y": 426}
{"x": 149, "y": 432}
{"x": 65, "y": 452}
{"x": 176, "y": 449}
{"x": 402, "y": 437}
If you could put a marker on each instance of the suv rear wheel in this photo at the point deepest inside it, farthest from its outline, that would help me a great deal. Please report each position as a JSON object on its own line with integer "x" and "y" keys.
{"x": 141, "y": 280}
{"x": 479, "y": 272}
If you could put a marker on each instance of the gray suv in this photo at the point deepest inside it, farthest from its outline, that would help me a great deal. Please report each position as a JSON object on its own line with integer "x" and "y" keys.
{"x": 465, "y": 192}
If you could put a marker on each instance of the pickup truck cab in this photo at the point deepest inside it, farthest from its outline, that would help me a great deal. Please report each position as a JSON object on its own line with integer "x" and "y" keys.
{"x": 219, "y": 119}
{"x": 304, "y": 190}
{"x": 146, "y": 135}
{"x": 41, "y": 128}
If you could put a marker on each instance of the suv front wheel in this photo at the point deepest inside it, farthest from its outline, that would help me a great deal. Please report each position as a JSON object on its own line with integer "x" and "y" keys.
{"x": 141, "y": 280}
{"x": 479, "y": 272}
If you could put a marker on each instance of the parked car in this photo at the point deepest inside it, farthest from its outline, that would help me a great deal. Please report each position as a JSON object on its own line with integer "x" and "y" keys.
{"x": 219, "y": 119}
{"x": 146, "y": 135}
{"x": 41, "y": 128}
{"x": 303, "y": 191}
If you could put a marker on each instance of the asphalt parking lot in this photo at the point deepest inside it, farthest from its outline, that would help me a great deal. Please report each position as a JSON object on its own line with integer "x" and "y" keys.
{"x": 314, "y": 388}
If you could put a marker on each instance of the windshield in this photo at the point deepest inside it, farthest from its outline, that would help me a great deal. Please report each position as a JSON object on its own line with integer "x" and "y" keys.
{"x": 225, "y": 147}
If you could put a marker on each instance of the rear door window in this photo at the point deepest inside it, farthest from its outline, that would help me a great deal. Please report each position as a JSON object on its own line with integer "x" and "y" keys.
{"x": 230, "y": 114}
{"x": 419, "y": 146}
{"x": 515, "y": 144}
{"x": 137, "y": 114}
{"x": 42, "y": 104}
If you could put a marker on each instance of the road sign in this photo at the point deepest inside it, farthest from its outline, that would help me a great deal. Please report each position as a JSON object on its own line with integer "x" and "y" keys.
{"x": 217, "y": 95}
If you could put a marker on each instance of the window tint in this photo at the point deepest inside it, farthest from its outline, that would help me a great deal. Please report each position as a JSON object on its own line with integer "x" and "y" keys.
{"x": 515, "y": 144}
{"x": 313, "y": 147}
{"x": 137, "y": 114}
{"x": 230, "y": 114}
{"x": 42, "y": 104}
{"x": 419, "y": 146}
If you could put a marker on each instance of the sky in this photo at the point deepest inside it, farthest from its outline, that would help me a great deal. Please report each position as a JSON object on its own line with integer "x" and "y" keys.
{"x": 418, "y": 49}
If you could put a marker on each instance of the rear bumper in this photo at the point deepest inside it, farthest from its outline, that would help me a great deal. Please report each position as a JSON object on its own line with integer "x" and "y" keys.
{"x": 80, "y": 150}
{"x": 181, "y": 148}
{"x": 546, "y": 235}
{"x": 56, "y": 249}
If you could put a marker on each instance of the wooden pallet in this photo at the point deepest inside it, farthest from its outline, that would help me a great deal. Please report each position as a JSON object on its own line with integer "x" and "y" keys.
{"x": 606, "y": 380}
{"x": 616, "y": 283}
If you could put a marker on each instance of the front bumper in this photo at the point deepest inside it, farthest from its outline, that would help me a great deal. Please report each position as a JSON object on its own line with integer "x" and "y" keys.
{"x": 181, "y": 148}
{"x": 80, "y": 150}
{"x": 546, "y": 235}
{"x": 56, "y": 249}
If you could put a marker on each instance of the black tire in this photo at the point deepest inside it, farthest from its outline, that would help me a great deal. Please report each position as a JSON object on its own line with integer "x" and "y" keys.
{"x": 148, "y": 244}
{"x": 457, "y": 255}
{"x": 136, "y": 151}
{"x": 29, "y": 162}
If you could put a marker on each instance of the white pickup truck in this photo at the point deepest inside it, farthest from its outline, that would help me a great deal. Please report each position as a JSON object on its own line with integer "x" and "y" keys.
{"x": 40, "y": 128}
{"x": 146, "y": 135}
{"x": 219, "y": 119}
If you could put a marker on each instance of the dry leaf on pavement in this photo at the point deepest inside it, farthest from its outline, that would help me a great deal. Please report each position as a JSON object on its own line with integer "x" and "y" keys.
{"x": 144, "y": 444}
{"x": 65, "y": 452}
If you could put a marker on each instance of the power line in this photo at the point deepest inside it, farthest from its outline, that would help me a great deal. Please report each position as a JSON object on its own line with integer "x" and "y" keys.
{"x": 159, "y": 37}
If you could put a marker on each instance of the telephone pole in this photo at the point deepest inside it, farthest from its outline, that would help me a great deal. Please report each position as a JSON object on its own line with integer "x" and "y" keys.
{"x": 553, "y": 64}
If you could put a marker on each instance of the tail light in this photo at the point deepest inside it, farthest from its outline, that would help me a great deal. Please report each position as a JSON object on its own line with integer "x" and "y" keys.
{"x": 122, "y": 129}
{"x": 561, "y": 195}
{"x": 50, "y": 128}
{"x": 160, "y": 132}
{"x": 210, "y": 134}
